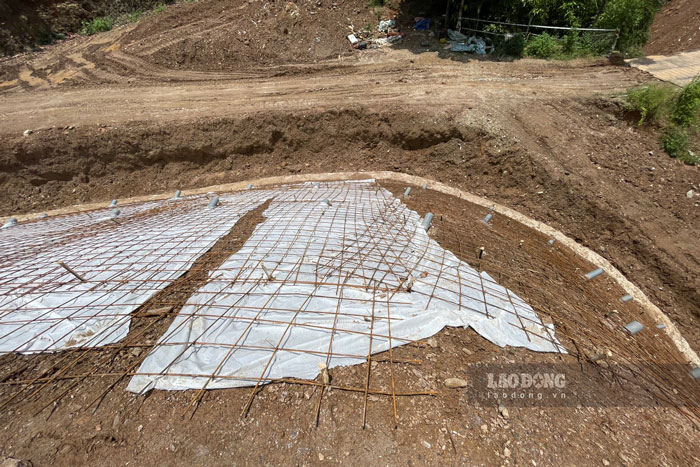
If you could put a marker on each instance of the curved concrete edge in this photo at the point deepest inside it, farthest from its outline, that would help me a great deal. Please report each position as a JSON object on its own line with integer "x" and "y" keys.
{"x": 652, "y": 310}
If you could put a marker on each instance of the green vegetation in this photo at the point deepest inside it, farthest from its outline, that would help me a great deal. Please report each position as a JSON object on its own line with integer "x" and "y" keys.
{"x": 101, "y": 24}
{"x": 376, "y": 3}
{"x": 653, "y": 102}
{"x": 631, "y": 17}
{"x": 686, "y": 112}
{"x": 542, "y": 46}
{"x": 676, "y": 111}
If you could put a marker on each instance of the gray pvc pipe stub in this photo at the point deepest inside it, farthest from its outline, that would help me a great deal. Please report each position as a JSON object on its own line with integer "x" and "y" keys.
{"x": 113, "y": 203}
{"x": 10, "y": 222}
{"x": 695, "y": 373}
{"x": 594, "y": 273}
{"x": 214, "y": 202}
{"x": 326, "y": 201}
{"x": 178, "y": 194}
{"x": 43, "y": 215}
{"x": 115, "y": 212}
{"x": 425, "y": 185}
{"x": 428, "y": 220}
{"x": 486, "y": 219}
{"x": 626, "y": 298}
{"x": 661, "y": 326}
{"x": 249, "y": 187}
{"x": 407, "y": 192}
{"x": 633, "y": 327}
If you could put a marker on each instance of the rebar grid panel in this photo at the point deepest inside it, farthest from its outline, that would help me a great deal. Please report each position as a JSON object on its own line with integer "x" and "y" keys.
{"x": 72, "y": 281}
{"x": 336, "y": 273}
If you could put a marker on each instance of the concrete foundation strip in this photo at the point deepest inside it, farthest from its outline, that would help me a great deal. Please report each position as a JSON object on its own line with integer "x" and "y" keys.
{"x": 652, "y": 310}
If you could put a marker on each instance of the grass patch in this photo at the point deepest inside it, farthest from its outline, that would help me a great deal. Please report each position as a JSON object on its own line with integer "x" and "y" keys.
{"x": 101, "y": 24}
{"x": 653, "y": 102}
{"x": 676, "y": 111}
{"x": 686, "y": 112}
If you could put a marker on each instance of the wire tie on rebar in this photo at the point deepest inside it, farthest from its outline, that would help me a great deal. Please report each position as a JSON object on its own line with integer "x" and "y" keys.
{"x": 67, "y": 268}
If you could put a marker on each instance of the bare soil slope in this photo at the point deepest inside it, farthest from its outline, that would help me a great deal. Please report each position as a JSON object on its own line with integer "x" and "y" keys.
{"x": 676, "y": 28}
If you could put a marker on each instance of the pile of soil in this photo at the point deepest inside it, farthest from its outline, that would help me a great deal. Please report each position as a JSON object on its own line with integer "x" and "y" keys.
{"x": 676, "y": 28}
{"x": 25, "y": 24}
{"x": 232, "y": 35}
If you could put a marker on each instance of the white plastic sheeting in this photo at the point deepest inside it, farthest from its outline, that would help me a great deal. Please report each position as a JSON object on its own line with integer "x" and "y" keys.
{"x": 335, "y": 273}
{"x": 124, "y": 261}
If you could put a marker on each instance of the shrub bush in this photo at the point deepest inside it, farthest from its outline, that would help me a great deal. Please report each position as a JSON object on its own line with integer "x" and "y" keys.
{"x": 101, "y": 24}
{"x": 632, "y": 17}
{"x": 676, "y": 143}
{"x": 514, "y": 46}
{"x": 654, "y": 102}
{"x": 686, "y": 111}
{"x": 542, "y": 46}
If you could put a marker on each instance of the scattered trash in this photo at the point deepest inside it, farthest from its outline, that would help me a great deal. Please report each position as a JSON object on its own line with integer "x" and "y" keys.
{"x": 594, "y": 273}
{"x": 27, "y": 132}
{"x": 626, "y": 298}
{"x": 382, "y": 41}
{"x": 386, "y": 25}
{"x": 353, "y": 39}
{"x": 695, "y": 373}
{"x": 486, "y": 219}
{"x": 634, "y": 327}
{"x": 551, "y": 241}
{"x": 461, "y": 43}
{"x": 689, "y": 194}
{"x": 422, "y": 24}
{"x": 661, "y": 326}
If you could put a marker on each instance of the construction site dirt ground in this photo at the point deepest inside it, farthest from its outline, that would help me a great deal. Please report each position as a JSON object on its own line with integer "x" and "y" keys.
{"x": 108, "y": 119}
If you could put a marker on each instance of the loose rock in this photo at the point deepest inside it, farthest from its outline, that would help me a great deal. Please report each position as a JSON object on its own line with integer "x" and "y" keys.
{"x": 454, "y": 383}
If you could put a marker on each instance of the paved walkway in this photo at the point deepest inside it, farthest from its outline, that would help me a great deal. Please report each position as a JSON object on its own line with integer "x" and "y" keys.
{"x": 679, "y": 69}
